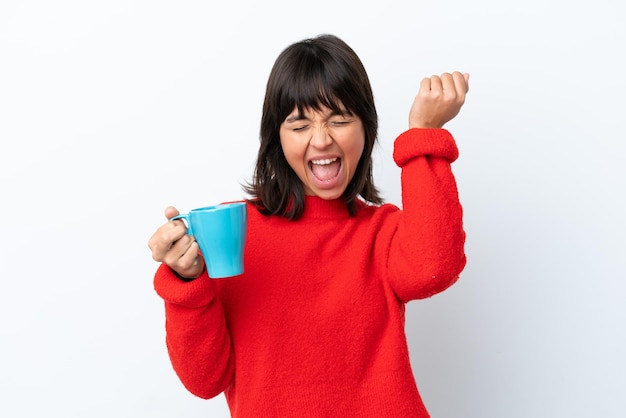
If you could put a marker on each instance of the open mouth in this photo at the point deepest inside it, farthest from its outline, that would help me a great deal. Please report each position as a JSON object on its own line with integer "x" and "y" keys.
{"x": 326, "y": 169}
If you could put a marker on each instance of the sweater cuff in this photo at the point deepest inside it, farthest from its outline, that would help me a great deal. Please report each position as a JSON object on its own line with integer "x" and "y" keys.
{"x": 192, "y": 294}
{"x": 418, "y": 142}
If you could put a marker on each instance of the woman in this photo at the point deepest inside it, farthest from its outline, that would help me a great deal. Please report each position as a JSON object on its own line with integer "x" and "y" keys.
{"x": 314, "y": 327}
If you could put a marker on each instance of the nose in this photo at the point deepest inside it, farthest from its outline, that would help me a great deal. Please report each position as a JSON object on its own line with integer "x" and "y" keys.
{"x": 321, "y": 138}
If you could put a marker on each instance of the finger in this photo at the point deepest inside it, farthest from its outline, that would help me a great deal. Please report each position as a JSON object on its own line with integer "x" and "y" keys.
{"x": 425, "y": 85}
{"x": 188, "y": 264}
{"x": 447, "y": 82}
{"x": 435, "y": 84}
{"x": 183, "y": 241}
{"x": 173, "y": 231}
{"x": 460, "y": 82}
{"x": 179, "y": 249}
{"x": 164, "y": 238}
{"x": 190, "y": 257}
{"x": 179, "y": 223}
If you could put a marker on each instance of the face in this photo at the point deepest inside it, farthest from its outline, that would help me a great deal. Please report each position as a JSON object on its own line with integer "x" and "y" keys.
{"x": 323, "y": 148}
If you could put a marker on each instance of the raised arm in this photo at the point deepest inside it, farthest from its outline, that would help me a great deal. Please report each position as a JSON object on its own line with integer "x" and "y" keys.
{"x": 427, "y": 254}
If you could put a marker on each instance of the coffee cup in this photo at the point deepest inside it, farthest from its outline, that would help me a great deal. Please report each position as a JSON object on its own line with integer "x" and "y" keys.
{"x": 220, "y": 232}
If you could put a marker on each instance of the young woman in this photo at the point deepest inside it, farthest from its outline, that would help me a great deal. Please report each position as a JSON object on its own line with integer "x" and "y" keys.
{"x": 314, "y": 327}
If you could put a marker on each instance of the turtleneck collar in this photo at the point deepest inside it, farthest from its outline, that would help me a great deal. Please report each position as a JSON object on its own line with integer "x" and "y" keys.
{"x": 316, "y": 207}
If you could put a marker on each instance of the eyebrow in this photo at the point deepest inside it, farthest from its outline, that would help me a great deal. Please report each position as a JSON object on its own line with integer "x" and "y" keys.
{"x": 298, "y": 116}
{"x": 294, "y": 118}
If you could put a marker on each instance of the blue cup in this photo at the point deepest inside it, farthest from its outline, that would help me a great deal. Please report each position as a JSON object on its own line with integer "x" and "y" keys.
{"x": 220, "y": 231}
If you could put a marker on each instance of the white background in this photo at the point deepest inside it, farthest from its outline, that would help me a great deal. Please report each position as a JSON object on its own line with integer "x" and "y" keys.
{"x": 110, "y": 111}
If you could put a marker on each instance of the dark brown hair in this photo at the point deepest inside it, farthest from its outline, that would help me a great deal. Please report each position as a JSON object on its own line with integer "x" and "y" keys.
{"x": 315, "y": 72}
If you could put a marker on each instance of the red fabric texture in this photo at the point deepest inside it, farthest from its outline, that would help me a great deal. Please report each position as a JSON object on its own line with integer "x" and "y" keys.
{"x": 315, "y": 325}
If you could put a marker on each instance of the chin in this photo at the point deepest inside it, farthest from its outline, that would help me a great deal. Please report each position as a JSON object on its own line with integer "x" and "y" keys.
{"x": 329, "y": 194}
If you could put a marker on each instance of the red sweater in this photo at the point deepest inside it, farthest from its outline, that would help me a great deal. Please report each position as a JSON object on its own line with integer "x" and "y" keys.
{"x": 315, "y": 325}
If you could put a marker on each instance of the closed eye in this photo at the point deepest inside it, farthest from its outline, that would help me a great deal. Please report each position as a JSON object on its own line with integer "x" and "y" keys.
{"x": 341, "y": 122}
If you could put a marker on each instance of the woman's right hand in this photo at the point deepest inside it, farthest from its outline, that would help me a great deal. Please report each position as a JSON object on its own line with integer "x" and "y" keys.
{"x": 171, "y": 245}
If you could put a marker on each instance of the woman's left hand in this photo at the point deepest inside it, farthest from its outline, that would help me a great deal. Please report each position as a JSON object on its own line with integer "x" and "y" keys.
{"x": 439, "y": 100}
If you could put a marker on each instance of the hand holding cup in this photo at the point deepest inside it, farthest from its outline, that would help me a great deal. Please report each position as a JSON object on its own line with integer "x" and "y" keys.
{"x": 171, "y": 245}
{"x": 220, "y": 232}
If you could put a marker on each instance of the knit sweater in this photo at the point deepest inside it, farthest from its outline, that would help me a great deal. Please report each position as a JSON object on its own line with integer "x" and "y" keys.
{"x": 314, "y": 327}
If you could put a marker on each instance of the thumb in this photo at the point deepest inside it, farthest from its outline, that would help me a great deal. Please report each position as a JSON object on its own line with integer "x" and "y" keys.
{"x": 171, "y": 211}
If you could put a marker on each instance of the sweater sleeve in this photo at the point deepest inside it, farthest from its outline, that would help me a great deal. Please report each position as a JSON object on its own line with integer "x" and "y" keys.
{"x": 197, "y": 338}
{"x": 426, "y": 253}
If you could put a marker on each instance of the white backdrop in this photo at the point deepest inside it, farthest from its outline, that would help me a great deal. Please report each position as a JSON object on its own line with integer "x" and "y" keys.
{"x": 110, "y": 111}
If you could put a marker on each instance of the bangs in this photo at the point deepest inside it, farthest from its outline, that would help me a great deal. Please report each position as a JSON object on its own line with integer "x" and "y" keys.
{"x": 315, "y": 83}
